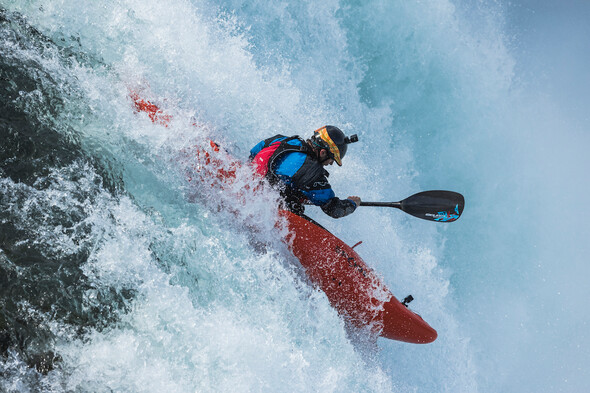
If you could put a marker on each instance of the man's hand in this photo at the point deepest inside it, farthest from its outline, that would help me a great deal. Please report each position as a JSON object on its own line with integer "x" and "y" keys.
{"x": 355, "y": 199}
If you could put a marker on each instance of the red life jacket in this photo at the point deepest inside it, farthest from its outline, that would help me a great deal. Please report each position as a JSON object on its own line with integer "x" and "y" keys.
{"x": 266, "y": 157}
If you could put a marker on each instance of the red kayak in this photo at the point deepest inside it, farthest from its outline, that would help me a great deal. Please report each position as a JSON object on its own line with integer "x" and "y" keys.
{"x": 352, "y": 288}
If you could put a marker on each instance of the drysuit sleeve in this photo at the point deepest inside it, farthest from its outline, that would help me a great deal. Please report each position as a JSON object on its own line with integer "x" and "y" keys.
{"x": 311, "y": 179}
{"x": 337, "y": 207}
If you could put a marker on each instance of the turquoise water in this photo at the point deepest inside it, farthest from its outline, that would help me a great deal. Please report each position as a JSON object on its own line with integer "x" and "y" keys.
{"x": 119, "y": 274}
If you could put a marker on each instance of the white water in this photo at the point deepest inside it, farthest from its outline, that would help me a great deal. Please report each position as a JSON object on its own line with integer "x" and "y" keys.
{"x": 441, "y": 96}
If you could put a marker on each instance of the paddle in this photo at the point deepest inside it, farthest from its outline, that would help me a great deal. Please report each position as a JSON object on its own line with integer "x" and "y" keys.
{"x": 440, "y": 206}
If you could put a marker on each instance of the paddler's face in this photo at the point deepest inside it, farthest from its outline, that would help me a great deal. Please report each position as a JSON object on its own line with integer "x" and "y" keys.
{"x": 323, "y": 156}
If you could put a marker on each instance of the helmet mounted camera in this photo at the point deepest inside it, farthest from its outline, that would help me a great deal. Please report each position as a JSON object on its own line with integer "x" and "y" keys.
{"x": 333, "y": 140}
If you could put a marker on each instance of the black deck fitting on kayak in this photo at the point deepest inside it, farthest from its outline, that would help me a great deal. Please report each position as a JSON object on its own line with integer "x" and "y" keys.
{"x": 407, "y": 300}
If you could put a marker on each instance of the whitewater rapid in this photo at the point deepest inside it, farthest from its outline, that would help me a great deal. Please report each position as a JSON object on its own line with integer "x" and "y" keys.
{"x": 119, "y": 273}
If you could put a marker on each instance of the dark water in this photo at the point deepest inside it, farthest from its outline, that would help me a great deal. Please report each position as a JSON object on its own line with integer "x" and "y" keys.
{"x": 37, "y": 158}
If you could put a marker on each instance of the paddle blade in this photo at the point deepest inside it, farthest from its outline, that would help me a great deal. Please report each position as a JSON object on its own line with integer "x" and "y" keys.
{"x": 440, "y": 206}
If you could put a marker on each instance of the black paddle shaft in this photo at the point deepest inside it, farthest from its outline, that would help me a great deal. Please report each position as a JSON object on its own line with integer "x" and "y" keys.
{"x": 438, "y": 205}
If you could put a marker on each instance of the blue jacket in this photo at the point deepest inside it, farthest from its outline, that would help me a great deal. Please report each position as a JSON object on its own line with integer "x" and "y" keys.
{"x": 302, "y": 176}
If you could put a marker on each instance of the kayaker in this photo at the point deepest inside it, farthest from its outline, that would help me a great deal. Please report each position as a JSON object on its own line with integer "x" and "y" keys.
{"x": 296, "y": 167}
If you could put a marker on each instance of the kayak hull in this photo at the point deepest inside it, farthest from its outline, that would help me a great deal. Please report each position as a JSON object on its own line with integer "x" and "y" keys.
{"x": 351, "y": 286}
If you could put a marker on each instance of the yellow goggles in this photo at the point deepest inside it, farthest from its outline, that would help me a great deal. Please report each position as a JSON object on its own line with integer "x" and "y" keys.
{"x": 323, "y": 133}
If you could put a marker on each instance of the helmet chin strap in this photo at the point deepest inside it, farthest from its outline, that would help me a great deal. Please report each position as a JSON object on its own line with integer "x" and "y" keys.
{"x": 320, "y": 157}
{"x": 318, "y": 148}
